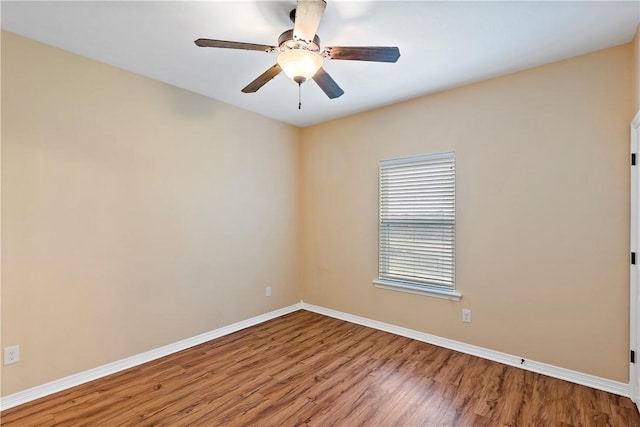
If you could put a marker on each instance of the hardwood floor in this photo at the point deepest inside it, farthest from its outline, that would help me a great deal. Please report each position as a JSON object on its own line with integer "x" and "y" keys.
{"x": 308, "y": 369}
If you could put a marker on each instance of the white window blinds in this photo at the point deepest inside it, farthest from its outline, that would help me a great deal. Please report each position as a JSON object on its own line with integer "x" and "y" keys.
{"x": 417, "y": 221}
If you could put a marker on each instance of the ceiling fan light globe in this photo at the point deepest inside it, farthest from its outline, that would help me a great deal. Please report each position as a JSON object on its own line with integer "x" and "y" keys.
{"x": 299, "y": 64}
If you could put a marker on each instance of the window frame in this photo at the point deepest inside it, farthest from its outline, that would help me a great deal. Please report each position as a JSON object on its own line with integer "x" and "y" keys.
{"x": 420, "y": 286}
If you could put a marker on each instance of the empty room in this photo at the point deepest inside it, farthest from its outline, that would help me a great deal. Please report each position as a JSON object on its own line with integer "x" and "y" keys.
{"x": 322, "y": 213}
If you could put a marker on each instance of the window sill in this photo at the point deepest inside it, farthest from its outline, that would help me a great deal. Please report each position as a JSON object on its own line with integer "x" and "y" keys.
{"x": 419, "y": 290}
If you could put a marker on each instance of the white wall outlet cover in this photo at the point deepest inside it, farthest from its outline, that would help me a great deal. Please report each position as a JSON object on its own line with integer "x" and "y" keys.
{"x": 466, "y": 315}
{"x": 11, "y": 355}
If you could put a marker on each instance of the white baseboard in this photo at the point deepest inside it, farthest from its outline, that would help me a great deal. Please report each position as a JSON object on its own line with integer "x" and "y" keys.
{"x": 62, "y": 384}
{"x": 592, "y": 381}
{"x": 43, "y": 390}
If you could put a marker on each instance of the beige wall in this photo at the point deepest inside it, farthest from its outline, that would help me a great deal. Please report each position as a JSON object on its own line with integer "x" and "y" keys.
{"x": 542, "y": 211}
{"x": 134, "y": 214}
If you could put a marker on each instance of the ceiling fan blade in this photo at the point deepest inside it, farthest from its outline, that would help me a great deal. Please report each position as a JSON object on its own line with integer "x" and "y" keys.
{"x": 262, "y": 79}
{"x": 364, "y": 53}
{"x": 233, "y": 45}
{"x": 327, "y": 84}
{"x": 308, "y": 15}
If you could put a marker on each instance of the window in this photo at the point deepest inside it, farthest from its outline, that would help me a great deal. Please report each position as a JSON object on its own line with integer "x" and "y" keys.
{"x": 417, "y": 224}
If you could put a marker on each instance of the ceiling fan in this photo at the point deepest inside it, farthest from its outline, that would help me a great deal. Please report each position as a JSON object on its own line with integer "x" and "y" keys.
{"x": 300, "y": 55}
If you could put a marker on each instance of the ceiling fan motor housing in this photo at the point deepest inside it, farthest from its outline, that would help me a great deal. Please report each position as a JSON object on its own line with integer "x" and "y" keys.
{"x": 286, "y": 41}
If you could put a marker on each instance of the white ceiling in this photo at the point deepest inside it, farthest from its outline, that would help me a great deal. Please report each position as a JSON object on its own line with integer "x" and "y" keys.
{"x": 442, "y": 44}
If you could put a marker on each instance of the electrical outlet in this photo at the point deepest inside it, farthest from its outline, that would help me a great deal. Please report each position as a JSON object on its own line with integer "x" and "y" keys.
{"x": 268, "y": 291}
{"x": 11, "y": 355}
{"x": 466, "y": 315}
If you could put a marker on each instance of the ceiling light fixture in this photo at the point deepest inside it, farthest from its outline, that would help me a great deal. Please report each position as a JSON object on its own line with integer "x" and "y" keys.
{"x": 299, "y": 65}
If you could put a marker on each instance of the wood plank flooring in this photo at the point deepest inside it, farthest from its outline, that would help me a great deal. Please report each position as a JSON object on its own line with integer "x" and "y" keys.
{"x": 308, "y": 369}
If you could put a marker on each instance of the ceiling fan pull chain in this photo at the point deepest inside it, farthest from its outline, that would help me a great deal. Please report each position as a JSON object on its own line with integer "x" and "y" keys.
{"x": 299, "y": 96}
